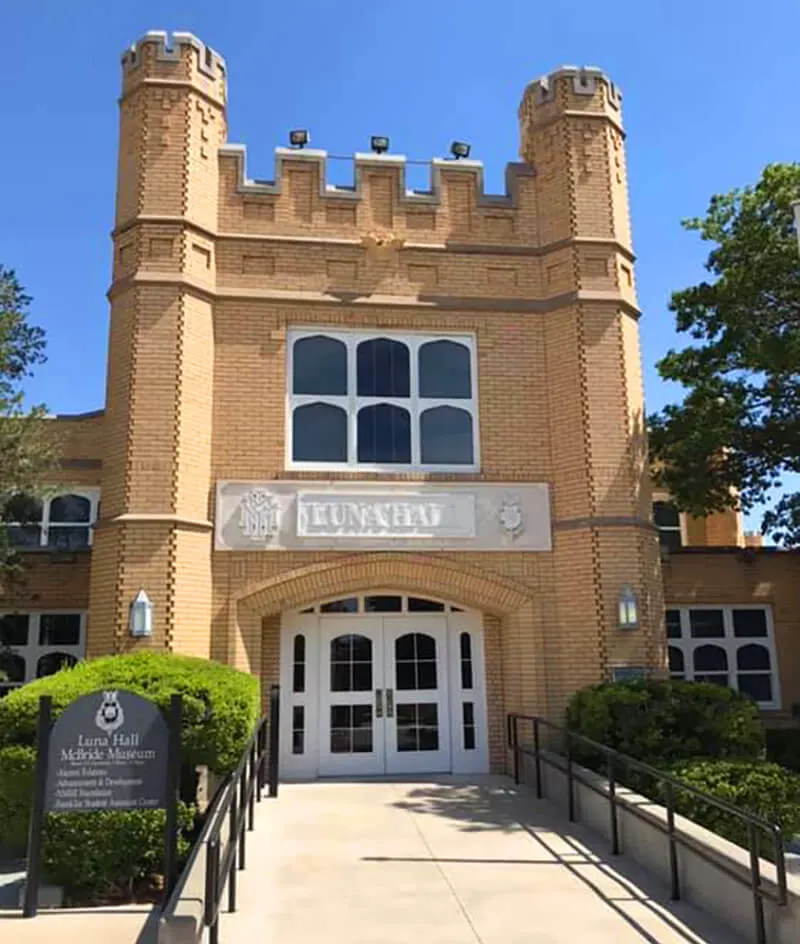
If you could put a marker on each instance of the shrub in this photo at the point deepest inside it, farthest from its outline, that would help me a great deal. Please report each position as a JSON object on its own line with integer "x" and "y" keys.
{"x": 220, "y": 704}
{"x": 16, "y": 789}
{"x": 663, "y": 721}
{"x": 107, "y": 852}
{"x": 783, "y": 747}
{"x": 765, "y": 789}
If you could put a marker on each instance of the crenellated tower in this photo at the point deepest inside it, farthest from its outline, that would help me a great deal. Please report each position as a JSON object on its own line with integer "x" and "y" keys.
{"x": 571, "y": 133}
{"x": 154, "y": 532}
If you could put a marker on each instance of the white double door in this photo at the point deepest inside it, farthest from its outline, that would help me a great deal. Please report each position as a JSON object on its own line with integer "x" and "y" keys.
{"x": 384, "y": 703}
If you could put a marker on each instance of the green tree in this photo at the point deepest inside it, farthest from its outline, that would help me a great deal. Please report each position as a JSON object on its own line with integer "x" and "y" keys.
{"x": 27, "y": 445}
{"x": 737, "y": 432}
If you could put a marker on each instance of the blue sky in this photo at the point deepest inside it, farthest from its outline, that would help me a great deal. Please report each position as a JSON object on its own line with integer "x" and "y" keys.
{"x": 708, "y": 93}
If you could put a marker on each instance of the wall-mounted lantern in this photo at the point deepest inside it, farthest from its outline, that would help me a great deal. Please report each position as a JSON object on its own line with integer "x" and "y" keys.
{"x": 140, "y": 619}
{"x": 628, "y": 609}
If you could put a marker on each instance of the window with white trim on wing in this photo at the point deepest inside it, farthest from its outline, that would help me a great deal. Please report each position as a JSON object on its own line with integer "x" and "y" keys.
{"x": 732, "y": 646}
{"x": 381, "y": 401}
{"x": 61, "y": 522}
{"x": 36, "y": 644}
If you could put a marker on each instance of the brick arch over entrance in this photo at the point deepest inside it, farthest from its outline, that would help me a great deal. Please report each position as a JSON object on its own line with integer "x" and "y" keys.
{"x": 440, "y": 577}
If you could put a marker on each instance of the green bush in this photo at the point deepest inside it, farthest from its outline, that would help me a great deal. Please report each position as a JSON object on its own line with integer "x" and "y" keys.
{"x": 664, "y": 721}
{"x": 783, "y": 747}
{"x": 89, "y": 853}
{"x": 765, "y": 789}
{"x": 16, "y": 789}
{"x": 220, "y": 704}
{"x": 106, "y": 852}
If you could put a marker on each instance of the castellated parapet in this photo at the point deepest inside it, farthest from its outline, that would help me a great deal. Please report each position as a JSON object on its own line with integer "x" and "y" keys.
{"x": 183, "y": 58}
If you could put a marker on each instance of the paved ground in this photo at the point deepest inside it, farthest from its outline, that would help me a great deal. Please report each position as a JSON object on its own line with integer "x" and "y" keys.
{"x": 442, "y": 862}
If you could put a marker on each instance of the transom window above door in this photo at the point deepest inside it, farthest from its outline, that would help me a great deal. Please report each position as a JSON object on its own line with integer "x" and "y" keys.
{"x": 381, "y": 401}
{"x": 381, "y": 603}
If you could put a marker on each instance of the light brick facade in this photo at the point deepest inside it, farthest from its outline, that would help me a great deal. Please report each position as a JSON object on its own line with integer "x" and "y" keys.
{"x": 211, "y": 270}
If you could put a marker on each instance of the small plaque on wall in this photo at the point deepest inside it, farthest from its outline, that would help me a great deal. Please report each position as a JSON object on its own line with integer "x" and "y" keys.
{"x": 622, "y": 673}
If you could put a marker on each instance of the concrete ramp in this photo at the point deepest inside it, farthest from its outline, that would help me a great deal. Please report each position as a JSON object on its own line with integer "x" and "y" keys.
{"x": 443, "y": 861}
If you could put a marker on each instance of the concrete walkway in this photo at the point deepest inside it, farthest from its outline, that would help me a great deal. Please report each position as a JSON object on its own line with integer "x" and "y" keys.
{"x": 442, "y": 862}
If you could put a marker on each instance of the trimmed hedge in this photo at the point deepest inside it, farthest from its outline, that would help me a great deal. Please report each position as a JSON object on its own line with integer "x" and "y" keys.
{"x": 109, "y": 851}
{"x": 220, "y": 704}
{"x": 665, "y": 721}
{"x": 768, "y": 790}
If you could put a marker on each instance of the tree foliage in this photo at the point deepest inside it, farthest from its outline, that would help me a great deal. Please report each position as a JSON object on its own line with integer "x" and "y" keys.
{"x": 27, "y": 444}
{"x": 737, "y": 432}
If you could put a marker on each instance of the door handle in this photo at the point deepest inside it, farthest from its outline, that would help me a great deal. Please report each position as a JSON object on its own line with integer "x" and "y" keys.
{"x": 389, "y": 703}
{"x": 378, "y": 703}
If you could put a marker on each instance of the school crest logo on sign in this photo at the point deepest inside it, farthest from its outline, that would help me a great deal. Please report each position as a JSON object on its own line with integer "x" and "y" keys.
{"x": 259, "y": 515}
{"x": 109, "y": 715}
{"x": 511, "y": 517}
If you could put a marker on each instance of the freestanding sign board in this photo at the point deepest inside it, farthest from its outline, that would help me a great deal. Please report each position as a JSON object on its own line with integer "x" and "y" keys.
{"x": 108, "y": 751}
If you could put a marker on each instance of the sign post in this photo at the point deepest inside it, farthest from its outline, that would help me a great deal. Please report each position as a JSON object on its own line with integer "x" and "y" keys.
{"x": 109, "y": 750}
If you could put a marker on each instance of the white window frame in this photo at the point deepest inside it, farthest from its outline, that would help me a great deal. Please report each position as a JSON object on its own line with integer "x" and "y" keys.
{"x": 92, "y": 494}
{"x": 730, "y": 643}
{"x": 351, "y": 403}
{"x": 668, "y": 500}
{"x": 33, "y": 651}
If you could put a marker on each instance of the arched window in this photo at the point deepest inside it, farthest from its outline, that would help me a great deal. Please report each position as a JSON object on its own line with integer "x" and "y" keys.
{"x": 465, "y": 651}
{"x": 668, "y": 521}
{"x": 754, "y": 672}
{"x": 676, "y": 663}
{"x": 444, "y": 371}
{"x": 299, "y": 664}
{"x": 319, "y": 433}
{"x": 711, "y": 665}
{"x": 384, "y": 434}
{"x": 415, "y": 662}
{"x": 351, "y": 663}
{"x": 320, "y": 366}
{"x": 446, "y": 435}
{"x": 53, "y": 662}
{"x": 382, "y": 368}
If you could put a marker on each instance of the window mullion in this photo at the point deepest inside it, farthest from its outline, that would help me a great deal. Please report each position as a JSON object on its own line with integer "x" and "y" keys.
{"x": 352, "y": 401}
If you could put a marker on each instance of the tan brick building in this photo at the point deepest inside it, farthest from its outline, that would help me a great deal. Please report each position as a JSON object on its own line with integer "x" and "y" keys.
{"x": 382, "y": 446}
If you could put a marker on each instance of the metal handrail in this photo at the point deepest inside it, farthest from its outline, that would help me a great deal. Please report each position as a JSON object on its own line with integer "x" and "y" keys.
{"x": 235, "y": 804}
{"x": 614, "y": 760}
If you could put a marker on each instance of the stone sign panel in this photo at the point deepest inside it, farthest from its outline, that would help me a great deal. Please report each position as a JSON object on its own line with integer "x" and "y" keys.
{"x": 292, "y": 515}
{"x": 108, "y": 751}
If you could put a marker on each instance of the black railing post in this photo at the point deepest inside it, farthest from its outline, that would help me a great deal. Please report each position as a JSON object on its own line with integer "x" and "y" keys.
{"x": 755, "y": 884}
{"x": 537, "y": 759}
{"x": 242, "y": 817}
{"x": 233, "y": 841}
{"x": 513, "y": 741}
{"x": 211, "y": 910}
{"x": 570, "y": 779}
{"x": 259, "y": 760}
{"x": 780, "y": 864}
{"x": 251, "y": 788}
{"x": 675, "y": 887}
{"x": 612, "y": 801}
{"x": 274, "y": 737}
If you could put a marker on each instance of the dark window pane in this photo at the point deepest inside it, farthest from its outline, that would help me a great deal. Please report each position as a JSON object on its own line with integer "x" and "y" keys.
{"x": 63, "y": 538}
{"x": 717, "y": 678}
{"x": 421, "y": 605}
{"x": 428, "y": 721}
{"x": 319, "y": 433}
{"x": 417, "y": 728}
{"x": 14, "y": 629}
{"x": 341, "y": 716}
{"x": 299, "y": 677}
{"x": 59, "y": 629}
{"x": 299, "y": 648}
{"x": 53, "y": 662}
{"x": 673, "y": 621}
{"x": 446, "y": 436}
{"x": 320, "y": 366}
{"x": 298, "y": 729}
{"x": 70, "y": 509}
{"x": 468, "y": 723}
{"x": 341, "y": 680}
{"x": 382, "y": 368}
{"x": 671, "y": 540}
{"x": 426, "y": 676}
{"x": 406, "y": 680}
{"x": 362, "y": 649}
{"x": 29, "y": 535}
{"x": 425, "y": 645}
{"x": 710, "y": 659}
{"x": 13, "y": 666}
{"x": 753, "y": 657}
{"x": 749, "y": 623}
{"x": 444, "y": 370}
{"x": 466, "y": 674}
{"x": 758, "y": 687}
{"x": 24, "y": 509}
{"x": 384, "y": 434}
{"x": 705, "y": 624}
{"x": 404, "y": 650}
{"x": 456, "y": 609}
{"x": 362, "y": 729}
{"x": 465, "y": 644}
{"x": 362, "y": 676}
{"x": 350, "y": 605}
{"x": 665, "y": 515}
{"x": 676, "y": 663}
{"x": 383, "y": 604}
{"x": 341, "y": 649}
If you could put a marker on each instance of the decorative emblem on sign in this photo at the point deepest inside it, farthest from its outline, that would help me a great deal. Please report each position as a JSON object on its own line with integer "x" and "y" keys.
{"x": 511, "y": 517}
{"x": 109, "y": 715}
{"x": 258, "y": 515}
